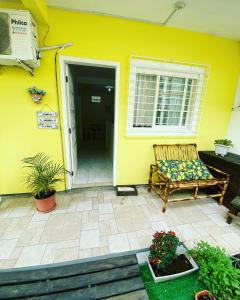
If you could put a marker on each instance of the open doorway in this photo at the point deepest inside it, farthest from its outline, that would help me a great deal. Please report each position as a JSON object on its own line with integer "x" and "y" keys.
{"x": 90, "y": 106}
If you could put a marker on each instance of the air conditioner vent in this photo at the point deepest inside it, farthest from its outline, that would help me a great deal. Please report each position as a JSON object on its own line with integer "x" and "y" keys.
{"x": 5, "y": 40}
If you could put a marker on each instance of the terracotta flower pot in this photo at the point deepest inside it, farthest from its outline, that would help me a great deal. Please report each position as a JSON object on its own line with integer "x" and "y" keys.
{"x": 203, "y": 293}
{"x": 46, "y": 205}
{"x": 37, "y": 98}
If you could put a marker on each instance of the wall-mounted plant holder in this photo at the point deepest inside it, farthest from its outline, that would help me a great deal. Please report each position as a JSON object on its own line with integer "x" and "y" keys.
{"x": 36, "y": 94}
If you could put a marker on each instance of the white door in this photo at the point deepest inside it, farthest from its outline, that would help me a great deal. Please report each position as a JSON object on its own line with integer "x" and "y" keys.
{"x": 71, "y": 121}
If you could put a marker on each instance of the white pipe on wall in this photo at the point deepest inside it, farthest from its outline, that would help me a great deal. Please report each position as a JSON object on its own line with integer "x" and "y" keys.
{"x": 234, "y": 126}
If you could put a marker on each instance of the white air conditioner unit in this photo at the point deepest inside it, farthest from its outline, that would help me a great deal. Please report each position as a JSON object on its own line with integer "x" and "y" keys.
{"x": 18, "y": 38}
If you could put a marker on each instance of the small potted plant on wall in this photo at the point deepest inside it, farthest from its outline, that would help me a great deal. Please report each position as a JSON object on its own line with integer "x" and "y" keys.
{"x": 36, "y": 94}
{"x": 42, "y": 178}
{"x": 222, "y": 146}
{"x": 168, "y": 258}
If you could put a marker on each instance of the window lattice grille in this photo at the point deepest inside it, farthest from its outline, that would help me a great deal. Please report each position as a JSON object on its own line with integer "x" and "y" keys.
{"x": 165, "y": 100}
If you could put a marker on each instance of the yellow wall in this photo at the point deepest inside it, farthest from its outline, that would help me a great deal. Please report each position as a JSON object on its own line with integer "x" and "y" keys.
{"x": 107, "y": 38}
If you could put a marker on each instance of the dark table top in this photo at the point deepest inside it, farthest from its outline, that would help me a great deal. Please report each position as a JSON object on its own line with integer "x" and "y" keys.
{"x": 231, "y": 157}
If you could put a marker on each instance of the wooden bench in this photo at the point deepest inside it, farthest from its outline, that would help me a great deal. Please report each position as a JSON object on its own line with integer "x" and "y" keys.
{"x": 164, "y": 187}
{"x": 115, "y": 278}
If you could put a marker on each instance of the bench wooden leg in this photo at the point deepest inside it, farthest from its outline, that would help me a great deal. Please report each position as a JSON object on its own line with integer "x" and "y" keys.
{"x": 223, "y": 193}
{"x": 165, "y": 199}
{"x": 233, "y": 211}
{"x": 150, "y": 180}
{"x": 229, "y": 219}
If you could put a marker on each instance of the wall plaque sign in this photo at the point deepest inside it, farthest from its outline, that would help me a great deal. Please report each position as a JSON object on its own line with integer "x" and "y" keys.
{"x": 47, "y": 119}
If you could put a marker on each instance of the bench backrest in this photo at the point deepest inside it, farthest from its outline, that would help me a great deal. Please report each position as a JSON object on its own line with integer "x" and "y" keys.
{"x": 176, "y": 152}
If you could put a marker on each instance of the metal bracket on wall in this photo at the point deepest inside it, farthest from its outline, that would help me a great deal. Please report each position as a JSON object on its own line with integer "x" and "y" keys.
{"x": 25, "y": 66}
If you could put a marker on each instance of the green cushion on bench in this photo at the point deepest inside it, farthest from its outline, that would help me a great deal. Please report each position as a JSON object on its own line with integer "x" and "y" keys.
{"x": 182, "y": 170}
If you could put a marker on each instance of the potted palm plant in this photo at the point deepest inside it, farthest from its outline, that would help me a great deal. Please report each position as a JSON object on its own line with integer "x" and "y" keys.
{"x": 222, "y": 146}
{"x": 42, "y": 178}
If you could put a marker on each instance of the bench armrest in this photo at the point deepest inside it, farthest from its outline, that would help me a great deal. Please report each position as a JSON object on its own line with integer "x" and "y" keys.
{"x": 218, "y": 173}
{"x": 160, "y": 174}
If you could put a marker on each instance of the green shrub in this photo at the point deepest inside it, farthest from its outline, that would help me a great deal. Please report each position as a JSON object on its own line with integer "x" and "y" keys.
{"x": 224, "y": 142}
{"x": 217, "y": 272}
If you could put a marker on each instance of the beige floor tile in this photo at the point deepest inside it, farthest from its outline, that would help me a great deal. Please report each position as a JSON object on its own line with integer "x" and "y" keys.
{"x": 132, "y": 224}
{"x": 188, "y": 232}
{"x": 31, "y": 256}
{"x": 32, "y": 234}
{"x": 126, "y": 212}
{"x": 106, "y": 217}
{"x": 89, "y": 239}
{"x": 109, "y": 194}
{"x": 118, "y": 243}
{"x": 77, "y": 197}
{"x": 121, "y": 201}
{"x": 16, "y": 252}
{"x": 105, "y": 208}
{"x": 84, "y": 217}
{"x": 160, "y": 226}
{"x": 7, "y": 263}
{"x": 218, "y": 219}
{"x": 62, "y": 228}
{"x": 14, "y": 227}
{"x": 103, "y": 241}
{"x": 5, "y": 212}
{"x": 90, "y": 194}
{"x": 225, "y": 245}
{"x": 84, "y": 205}
{"x": 19, "y": 212}
{"x": 49, "y": 253}
{"x": 99, "y": 251}
{"x": 145, "y": 241}
{"x": 65, "y": 254}
{"x": 90, "y": 220}
{"x": 113, "y": 226}
{"x": 19, "y": 202}
{"x": 233, "y": 239}
{"x": 133, "y": 240}
{"x": 95, "y": 222}
{"x": 210, "y": 228}
{"x": 138, "y": 200}
{"x": 104, "y": 228}
{"x": 124, "y": 225}
{"x": 84, "y": 253}
{"x": 40, "y": 217}
{"x": 7, "y": 248}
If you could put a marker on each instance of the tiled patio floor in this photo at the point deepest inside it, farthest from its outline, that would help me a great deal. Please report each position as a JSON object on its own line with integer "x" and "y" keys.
{"x": 96, "y": 222}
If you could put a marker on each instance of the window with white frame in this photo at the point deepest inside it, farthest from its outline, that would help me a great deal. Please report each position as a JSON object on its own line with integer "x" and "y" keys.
{"x": 164, "y": 98}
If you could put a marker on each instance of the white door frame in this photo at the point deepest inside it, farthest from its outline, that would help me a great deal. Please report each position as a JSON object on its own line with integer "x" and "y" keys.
{"x": 72, "y": 60}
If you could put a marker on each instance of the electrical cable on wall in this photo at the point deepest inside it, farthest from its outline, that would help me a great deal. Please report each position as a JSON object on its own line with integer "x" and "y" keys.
{"x": 45, "y": 36}
{"x": 59, "y": 113}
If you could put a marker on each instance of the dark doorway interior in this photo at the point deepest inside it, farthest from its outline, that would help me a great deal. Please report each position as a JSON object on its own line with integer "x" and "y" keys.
{"x": 94, "y": 118}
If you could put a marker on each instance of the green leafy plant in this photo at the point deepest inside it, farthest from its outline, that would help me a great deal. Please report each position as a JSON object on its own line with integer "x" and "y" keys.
{"x": 163, "y": 249}
{"x": 34, "y": 90}
{"x": 217, "y": 272}
{"x": 224, "y": 142}
{"x": 43, "y": 175}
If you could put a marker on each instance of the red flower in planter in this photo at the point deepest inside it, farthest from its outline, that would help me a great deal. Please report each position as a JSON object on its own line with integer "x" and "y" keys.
{"x": 163, "y": 249}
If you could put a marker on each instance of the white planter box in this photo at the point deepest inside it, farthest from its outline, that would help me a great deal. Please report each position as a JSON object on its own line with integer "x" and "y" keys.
{"x": 143, "y": 260}
{"x": 221, "y": 149}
